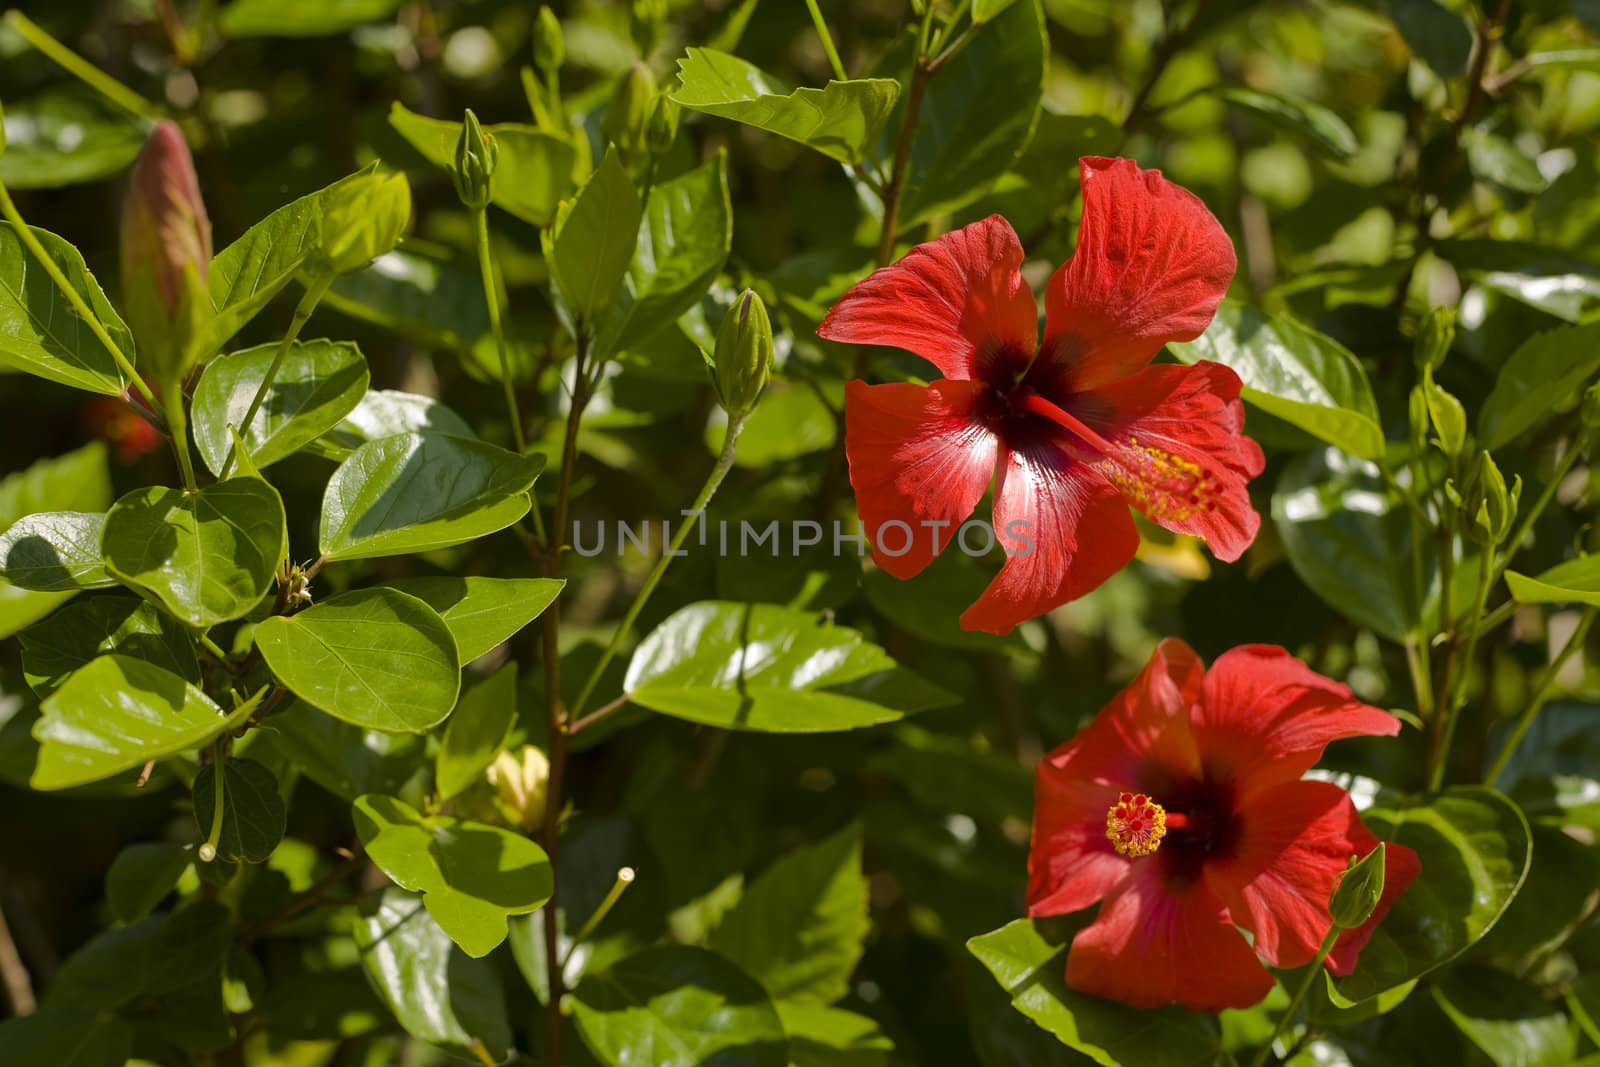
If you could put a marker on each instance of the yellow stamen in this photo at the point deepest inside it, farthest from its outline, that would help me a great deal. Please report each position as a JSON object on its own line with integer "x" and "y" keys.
{"x": 1135, "y": 825}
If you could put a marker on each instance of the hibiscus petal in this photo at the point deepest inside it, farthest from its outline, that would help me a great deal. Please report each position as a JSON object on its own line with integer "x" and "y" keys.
{"x": 1071, "y": 864}
{"x": 1064, "y": 528}
{"x": 1151, "y": 265}
{"x": 1154, "y": 943}
{"x": 1264, "y": 717}
{"x": 955, "y": 301}
{"x": 1178, "y": 452}
{"x": 1400, "y": 868}
{"x": 917, "y": 455}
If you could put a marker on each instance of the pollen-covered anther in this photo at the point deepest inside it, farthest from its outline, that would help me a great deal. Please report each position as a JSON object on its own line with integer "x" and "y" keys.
{"x": 1135, "y": 825}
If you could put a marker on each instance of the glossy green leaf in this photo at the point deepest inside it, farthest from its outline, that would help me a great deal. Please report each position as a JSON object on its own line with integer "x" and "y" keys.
{"x": 678, "y": 1006}
{"x": 253, "y": 813}
{"x": 820, "y": 1036}
{"x": 417, "y": 492}
{"x": 345, "y": 760}
{"x": 1027, "y": 958}
{"x": 1474, "y": 847}
{"x": 384, "y": 413}
{"x": 119, "y": 713}
{"x": 799, "y": 927}
{"x": 985, "y": 10}
{"x": 301, "y": 18}
{"x": 1546, "y": 373}
{"x": 472, "y": 876}
{"x": 40, "y": 333}
{"x": 840, "y": 121}
{"x": 77, "y": 481}
{"x": 593, "y": 240}
{"x": 1495, "y": 160}
{"x": 66, "y": 1036}
{"x": 142, "y": 876}
{"x": 1554, "y": 280}
{"x": 1552, "y": 901}
{"x": 375, "y": 658}
{"x": 772, "y": 669}
{"x": 1509, "y": 1019}
{"x": 207, "y": 556}
{"x": 318, "y": 384}
{"x": 83, "y": 631}
{"x": 477, "y": 731}
{"x": 67, "y": 138}
{"x": 533, "y": 171}
{"x": 1315, "y": 123}
{"x": 1303, "y": 377}
{"x": 1577, "y": 581}
{"x": 1440, "y": 37}
{"x": 483, "y": 612}
{"x": 683, "y": 242}
{"x": 437, "y": 992}
{"x": 54, "y": 552}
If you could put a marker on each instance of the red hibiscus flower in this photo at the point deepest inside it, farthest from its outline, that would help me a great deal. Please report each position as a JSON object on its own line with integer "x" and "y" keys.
{"x": 1071, "y": 430}
{"x": 1181, "y": 809}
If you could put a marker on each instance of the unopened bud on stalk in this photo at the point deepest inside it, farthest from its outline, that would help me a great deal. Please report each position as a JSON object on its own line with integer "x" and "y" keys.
{"x": 628, "y": 117}
{"x": 1356, "y": 896}
{"x": 744, "y": 354}
{"x": 365, "y": 221}
{"x": 1434, "y": 338}
{"x": 521, "y": 782}
{"x": 1490, "y": 508}
{"x": 166, "y": 254}
{"x": 663, "y": 126}
{"x": 476, "y": 156}
{"x": 549, "y": 45}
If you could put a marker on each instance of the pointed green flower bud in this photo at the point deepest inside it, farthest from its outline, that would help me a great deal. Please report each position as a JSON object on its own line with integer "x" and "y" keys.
{"x": 743, "y": 360}
{"x": 1358, "y": 891}
{"x": 1434, "y": 338}
{"x": 166, "y": 255}
{"x": 476, "y": 156}
{"x": 549, "y": 46}
{"x": 1490, "y": 507}
{"x": 663, "y": 127}
{"x": 628, "y": 117}
{"x": 365, "y": 221}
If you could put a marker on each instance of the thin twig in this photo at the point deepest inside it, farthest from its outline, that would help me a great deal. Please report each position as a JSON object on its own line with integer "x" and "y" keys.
{"x": 14, "y": 974}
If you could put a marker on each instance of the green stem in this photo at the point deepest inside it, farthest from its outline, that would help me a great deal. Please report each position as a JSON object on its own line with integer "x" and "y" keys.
{"x": 208, "y": 851}
{"x": 212, "y": 647}
{"x": 724, "y": 464}
{"x": 491, "y": 299}
{"x": 1457, "y": 698}
{"x": 1419, "y": 658}
{"x": 1525, "y": 526}
{"x": 1299, "y": 995}
{"x": 178, "y": 427}
{"x": 827, "y": 41}
{"x": 96, "y": 327}
{"x": 1541, "y": 695}
{"x": 625, "y": 878}
{"x": 81, "y": 68}
{"x": 1499, "y": 615}
{"x": 309, "y": 300}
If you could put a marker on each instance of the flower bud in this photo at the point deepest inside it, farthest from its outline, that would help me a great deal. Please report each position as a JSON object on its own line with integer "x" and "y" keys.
{"x": 1358, "y": 891}
{"x": 1490, "y": 508}
{"x": 549, "y": 46}
{"x": 476, "y": 156}
{"x": 662, "y": 129}
{"x": 628, "y": 117}
{"x": 1434, "y": 338}
{"x": 521, "y": 781}
{"x": 646, "y": 18}
{"x": 365, "y": 221}
{"x": 743, "y": 357}
{"x": 166, "y": 255}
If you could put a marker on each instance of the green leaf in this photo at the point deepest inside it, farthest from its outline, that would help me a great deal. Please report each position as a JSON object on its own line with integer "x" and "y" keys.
{"x": 253, "y": 814}
{"x": 772, "y": 669}
{"x": 1552, "y": 901}
{"x": 66, "y": 1036}
{"x": 1026, "y": 958}
{"x": 1553, "y": 280}
{"x": 477, "y": 731}
{"x": 820, "y": 1036}
{"x": 473, "y": 876}
{"x": 799, "y": 927}
{"x": 1495, "y": 160}
{"x": 437, "y": 993}
{"x": 384, "y": 413}
{"x": 683, "y": 242}
{"x": 301, "y": 18}
{"x": 40, "y": 333}
{"x": 88, "y": 629}
{"x": 207, "y": 556}
{"x": 1577, "y": 581}
{"x": 79, "y": 481}
{"x": 1303, "y": 377}
{"x": 142, "y": 876}
{"x": 1546, "y": 373}
{"x": 345, "y": 760}
{"x": 1440, "y": 37}
{"x": 417, "y": 492}
{"x": 426, "y": 297}
{"x": 1509, "y": 1019}
{"x": 1474, "y": 848}
{"x": 67, "y": 138}
{"x": 375, "y": 658}
{"x": 533, "y": 171}
{"x": 319, "y": 383}
{"x": 1317, "y": 124}
{"x": 976, "y": 117}
{"x": 54, "y": 552}
{"x": 985, "y": 10}
{"x": 678, "y": 1006}
{"x": 483, "y": 612}
{"x": 119, "y": 713}
{"x": 841, "y": 121}
{"x": 593, "y": 240}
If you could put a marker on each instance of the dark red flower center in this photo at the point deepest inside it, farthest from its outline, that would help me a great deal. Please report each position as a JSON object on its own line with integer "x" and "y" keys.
{"x": 1197, "y": 824}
